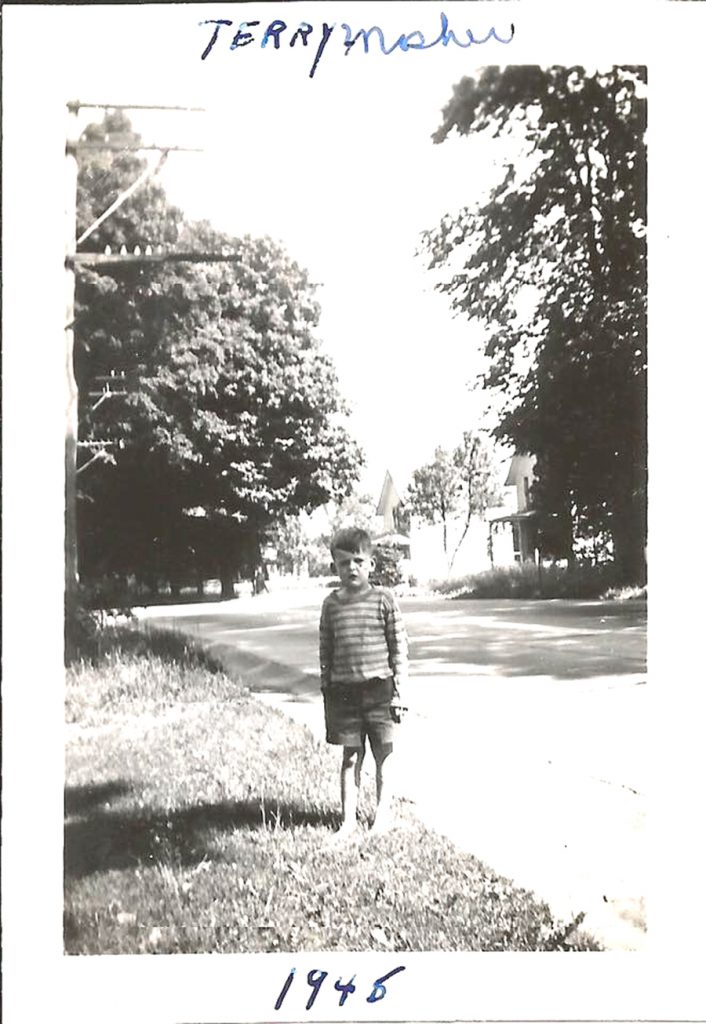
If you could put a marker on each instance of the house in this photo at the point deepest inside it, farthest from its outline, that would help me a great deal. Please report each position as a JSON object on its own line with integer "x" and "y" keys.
{"x": 388, "y": 505}
{"x": 390, "y": 523}
{"x": 504, "y": 535}
{"x": 522, "y": 521}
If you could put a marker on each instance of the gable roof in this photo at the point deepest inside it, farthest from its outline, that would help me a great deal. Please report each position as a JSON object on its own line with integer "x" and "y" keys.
{"x": 389, "y": 498}
{"x": 520, "y": 465}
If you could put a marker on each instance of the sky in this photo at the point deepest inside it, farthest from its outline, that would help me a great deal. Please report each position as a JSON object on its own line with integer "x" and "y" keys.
{"x": 342, "y": 170}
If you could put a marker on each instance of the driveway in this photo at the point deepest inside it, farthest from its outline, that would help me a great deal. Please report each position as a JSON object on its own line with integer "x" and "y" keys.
{"x": 525, "y": 741}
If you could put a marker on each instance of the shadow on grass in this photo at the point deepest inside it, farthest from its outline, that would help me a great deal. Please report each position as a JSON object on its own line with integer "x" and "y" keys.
{"x": 108, "y": 840}
{"x": 79, "y": 800}
{"x": 160, "y": 642}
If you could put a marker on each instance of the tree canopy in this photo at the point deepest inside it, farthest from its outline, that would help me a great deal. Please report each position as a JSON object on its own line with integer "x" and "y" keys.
{"x": 232, "y": 415}
{"x": 553, "y": 264}
{"x": 433, "y": 494}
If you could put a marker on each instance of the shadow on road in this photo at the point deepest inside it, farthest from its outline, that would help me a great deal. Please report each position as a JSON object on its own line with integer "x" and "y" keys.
{"x": 555, "y": 610}
{"x": 263, "y": 675}
{"x": 275, "y": 649}
{"x": 565, "y": 658}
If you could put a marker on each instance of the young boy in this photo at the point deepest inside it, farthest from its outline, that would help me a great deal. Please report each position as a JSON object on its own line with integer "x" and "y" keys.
{"x": 363, "y": 653}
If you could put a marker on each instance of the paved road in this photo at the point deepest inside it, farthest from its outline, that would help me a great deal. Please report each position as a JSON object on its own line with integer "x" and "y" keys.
{"x": 525, "y": 738}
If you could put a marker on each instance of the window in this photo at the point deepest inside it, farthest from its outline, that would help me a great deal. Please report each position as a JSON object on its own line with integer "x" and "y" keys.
{"x": 517, "y": 549}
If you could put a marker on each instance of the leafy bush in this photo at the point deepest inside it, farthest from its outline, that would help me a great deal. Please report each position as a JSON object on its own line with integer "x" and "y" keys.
{"x": 117, "y": 593}
{"x": 526, "y": 580}
{"x": 387, "y": 566}
{"x": 86, "y": 627}
{"x": 110, "y": 592}
{"x": 625, "y": 593}
{"x": 106, "y": 637}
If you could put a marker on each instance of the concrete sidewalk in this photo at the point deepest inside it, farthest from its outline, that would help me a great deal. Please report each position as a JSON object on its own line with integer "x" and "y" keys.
{"x": 524, "y": 809}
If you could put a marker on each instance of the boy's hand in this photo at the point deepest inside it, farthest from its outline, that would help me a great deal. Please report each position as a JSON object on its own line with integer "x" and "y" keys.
{"x": 397, "y": 709}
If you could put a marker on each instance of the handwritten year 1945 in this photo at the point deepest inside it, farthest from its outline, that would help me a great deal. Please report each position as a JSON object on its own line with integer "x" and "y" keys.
{"x": 316, "y": 979}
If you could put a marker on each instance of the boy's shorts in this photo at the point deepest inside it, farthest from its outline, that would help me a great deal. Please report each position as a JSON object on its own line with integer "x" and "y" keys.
{"x": 356, "y": 710}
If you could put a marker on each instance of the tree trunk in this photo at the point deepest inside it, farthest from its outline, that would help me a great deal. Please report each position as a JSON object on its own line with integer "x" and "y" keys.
{"x": 568, "y": 530}
{"x": 227, "y": 589}
{"x": 466, "y": 526}
{"x": 152, "y": 584}
{"x": 629, "y": 543}
{"x": 628, "y": 525}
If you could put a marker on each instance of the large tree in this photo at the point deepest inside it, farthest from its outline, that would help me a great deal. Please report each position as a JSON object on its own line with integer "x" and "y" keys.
{"x": 553, "y": 264}
{"x": 232, "y": 415}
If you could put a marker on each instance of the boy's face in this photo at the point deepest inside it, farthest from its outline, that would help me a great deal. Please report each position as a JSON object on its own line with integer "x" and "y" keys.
{"x": 353, "y": 567}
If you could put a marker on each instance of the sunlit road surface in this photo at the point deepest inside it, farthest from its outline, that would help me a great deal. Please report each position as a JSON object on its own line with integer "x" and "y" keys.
{"x": 525, "y": 739}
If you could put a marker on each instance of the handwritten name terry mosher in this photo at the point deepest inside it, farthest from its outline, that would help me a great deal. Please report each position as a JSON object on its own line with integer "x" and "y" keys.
{"x": 299, "y": 36}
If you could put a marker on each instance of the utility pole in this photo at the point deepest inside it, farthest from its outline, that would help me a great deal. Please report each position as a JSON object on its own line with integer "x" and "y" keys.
{"x": 71, "y": 391}
{"x": 72, "y": 259}
{"x": 73, "y": 145}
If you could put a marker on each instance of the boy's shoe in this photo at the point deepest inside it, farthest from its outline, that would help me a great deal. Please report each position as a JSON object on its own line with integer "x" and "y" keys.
{"x": 382, "y": 825}
{"x": 345, "y": 832}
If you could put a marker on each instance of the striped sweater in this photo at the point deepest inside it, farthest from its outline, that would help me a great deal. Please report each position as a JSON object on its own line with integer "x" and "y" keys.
{"x": 361, "y": 638}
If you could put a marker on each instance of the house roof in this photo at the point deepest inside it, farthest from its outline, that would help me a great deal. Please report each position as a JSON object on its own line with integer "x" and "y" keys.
{"x": 519, "y": 464}
{"x": 389, "y": 498}
{"x": 392, "y": 540}
{"x": 517, "y": 517}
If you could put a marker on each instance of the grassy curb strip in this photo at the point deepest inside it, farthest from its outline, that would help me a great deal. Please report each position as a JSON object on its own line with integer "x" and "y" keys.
{"x": 199, "y": 820}
{"x": 527, "y": 581}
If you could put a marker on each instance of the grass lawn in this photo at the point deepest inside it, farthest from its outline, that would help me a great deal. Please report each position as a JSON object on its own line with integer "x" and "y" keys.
{"x": 199, "y": 820}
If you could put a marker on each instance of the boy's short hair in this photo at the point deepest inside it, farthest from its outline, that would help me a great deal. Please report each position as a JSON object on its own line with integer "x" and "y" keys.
{"x": 352, "y": 538}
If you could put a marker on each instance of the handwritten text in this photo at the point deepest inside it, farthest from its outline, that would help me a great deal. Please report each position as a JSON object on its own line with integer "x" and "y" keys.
{"x": 277, "y": 31}
{"x": 315, "y": 980}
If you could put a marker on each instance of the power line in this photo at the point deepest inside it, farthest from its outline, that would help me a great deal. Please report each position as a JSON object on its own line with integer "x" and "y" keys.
{"x": 119, "y": 147}
{"x": 102, "y": 259}
{"x": 76, "y": 105}
{"x": 148, "y": 172}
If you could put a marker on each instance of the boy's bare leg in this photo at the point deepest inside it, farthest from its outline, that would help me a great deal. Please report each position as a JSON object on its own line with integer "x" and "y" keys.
{"x": 351, "y": 767}
{"x": 383, "y": 814}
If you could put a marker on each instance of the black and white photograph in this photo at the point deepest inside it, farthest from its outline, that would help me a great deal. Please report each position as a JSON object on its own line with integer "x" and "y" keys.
{"x": 326, "y": 340}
